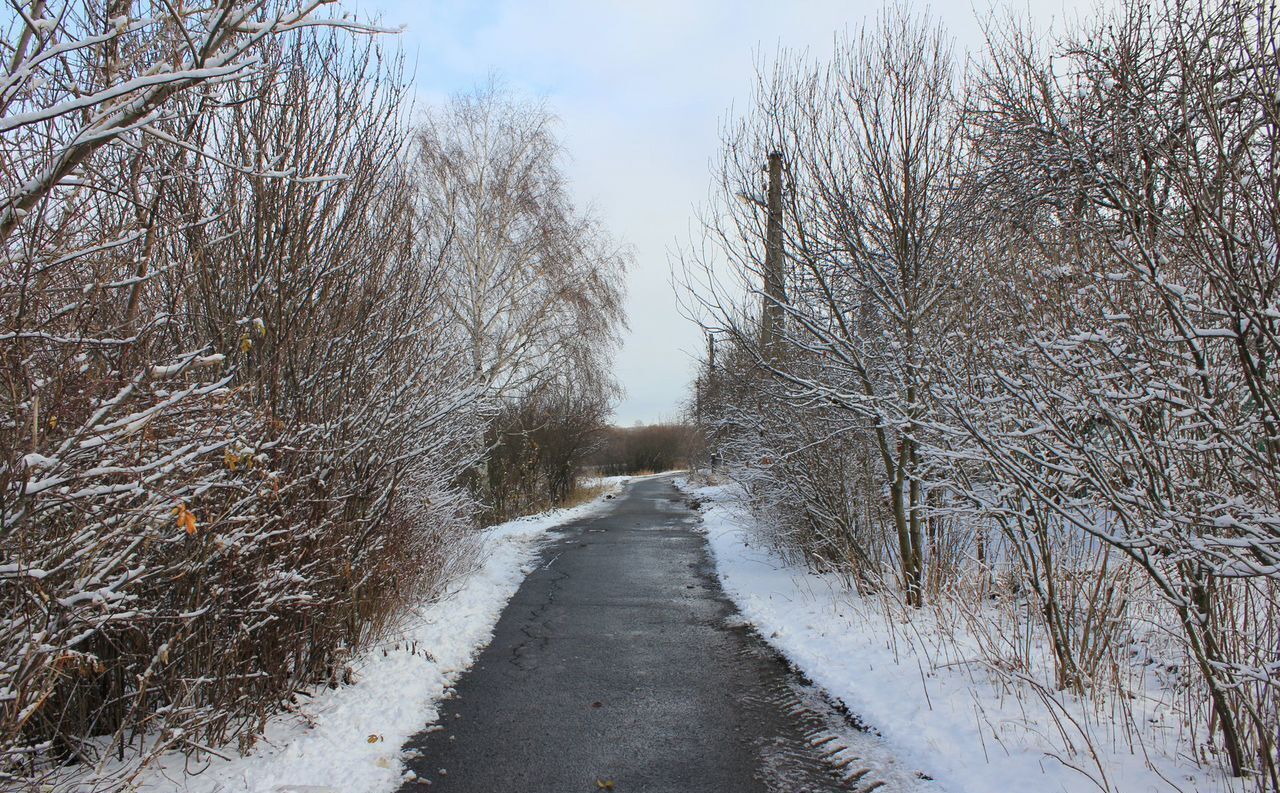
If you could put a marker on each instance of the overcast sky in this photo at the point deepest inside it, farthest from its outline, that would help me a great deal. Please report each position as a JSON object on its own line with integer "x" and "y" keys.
{"x": 640, "y": 88}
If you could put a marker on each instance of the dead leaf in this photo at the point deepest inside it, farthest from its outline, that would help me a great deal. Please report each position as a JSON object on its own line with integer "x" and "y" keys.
{"x": 186, "y": 518}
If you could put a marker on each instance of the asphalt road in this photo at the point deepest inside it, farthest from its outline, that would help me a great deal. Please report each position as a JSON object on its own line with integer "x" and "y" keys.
{"x": 620, "y": 665}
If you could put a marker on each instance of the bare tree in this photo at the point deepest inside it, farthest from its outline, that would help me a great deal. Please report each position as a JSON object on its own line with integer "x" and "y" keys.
{"x": 871, "y": 143}
{"x": 533, "y": 284}
{"x": 1135, "y": 177}
{"x": 1029, "y": 339}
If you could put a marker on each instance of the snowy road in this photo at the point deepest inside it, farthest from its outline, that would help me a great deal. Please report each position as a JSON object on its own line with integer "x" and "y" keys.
{"x": 620, "y": 665}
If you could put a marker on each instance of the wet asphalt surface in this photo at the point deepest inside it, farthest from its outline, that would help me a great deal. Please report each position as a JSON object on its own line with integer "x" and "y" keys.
{"x": 620, "y": 662}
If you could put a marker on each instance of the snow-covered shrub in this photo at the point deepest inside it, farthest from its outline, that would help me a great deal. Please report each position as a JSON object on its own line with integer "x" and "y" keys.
{"x": 1030, "y": 320}
{"x": 811, "y": 485}
{"x": 1134, "y": 192}
{"x": 235, "y": 411}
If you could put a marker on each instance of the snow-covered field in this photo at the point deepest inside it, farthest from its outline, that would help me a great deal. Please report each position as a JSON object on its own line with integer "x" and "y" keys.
{"x": 971, "y": 731}
{"x": 349, "y": 739}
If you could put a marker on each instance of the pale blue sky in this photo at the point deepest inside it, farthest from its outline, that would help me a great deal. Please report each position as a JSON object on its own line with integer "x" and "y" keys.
{"x": 640, "y": 88}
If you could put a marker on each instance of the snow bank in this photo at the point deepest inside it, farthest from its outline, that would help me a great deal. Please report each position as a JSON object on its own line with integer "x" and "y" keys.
{"x": 971, "y": 732}
{"x": 605, "y": 481}
{"x": 349, "y": 739}
{"x": 616, "y": 481}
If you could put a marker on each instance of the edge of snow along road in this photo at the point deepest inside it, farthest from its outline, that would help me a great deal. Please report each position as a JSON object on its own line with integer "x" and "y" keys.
{"x": 350, "y": 738}
{"x": 966, "y": 731}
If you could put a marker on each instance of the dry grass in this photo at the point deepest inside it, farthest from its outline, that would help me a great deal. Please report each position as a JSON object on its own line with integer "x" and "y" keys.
{"x": 584, "y": 494}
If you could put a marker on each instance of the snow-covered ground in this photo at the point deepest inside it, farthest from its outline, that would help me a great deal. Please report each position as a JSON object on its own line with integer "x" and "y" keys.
{"x": 605, "y": 481}
{"x": 970, "y": 731}
{"x": 349, "y": 739}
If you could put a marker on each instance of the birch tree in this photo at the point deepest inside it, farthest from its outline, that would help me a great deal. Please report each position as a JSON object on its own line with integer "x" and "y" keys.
{"x": 534, "y": 284}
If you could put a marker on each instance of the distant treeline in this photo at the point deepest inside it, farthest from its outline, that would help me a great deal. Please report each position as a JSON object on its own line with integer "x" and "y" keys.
{"x": 649, "y": 448}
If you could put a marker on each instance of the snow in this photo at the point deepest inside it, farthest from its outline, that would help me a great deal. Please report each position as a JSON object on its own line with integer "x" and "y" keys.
{"x": 350, "y": 738}
{"x": 970, "y": 731}
{"x": 209, "y": 360}
{"x": 14, "y": 570}
{"x": 606, "y": 481}
{"x": 159, "y": 372}
{"x": 34, "y": 460}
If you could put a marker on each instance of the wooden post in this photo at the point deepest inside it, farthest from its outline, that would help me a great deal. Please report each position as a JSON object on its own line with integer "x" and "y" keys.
{"x": 775, "y": 294}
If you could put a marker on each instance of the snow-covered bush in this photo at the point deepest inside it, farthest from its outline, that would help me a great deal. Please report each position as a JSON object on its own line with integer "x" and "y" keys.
{"x": 1028, "y": 344}
{"x": 235, "y": 409}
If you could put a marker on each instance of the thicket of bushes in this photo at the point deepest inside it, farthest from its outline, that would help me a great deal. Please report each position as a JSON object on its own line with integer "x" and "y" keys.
{"x": 540, "y": 447}
{"x": 1025, "y": 363}
{"x": 240, "y": 406}
{"x": 650, "y": 448}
